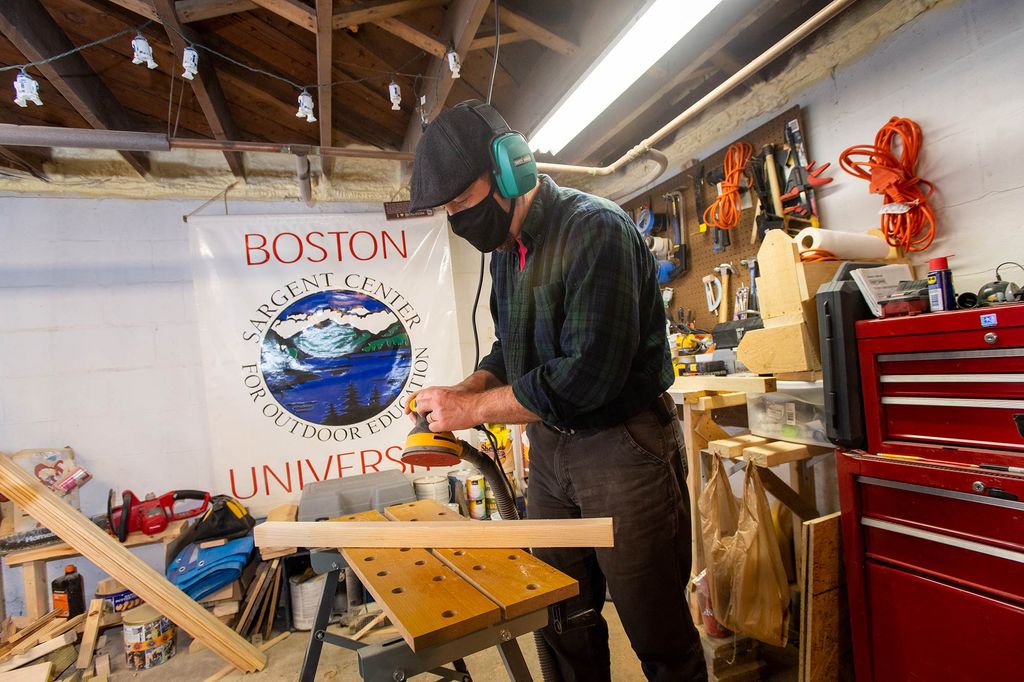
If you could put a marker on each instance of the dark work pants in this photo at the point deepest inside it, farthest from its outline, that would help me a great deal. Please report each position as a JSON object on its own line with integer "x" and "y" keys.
{"x": 635, "y": 473}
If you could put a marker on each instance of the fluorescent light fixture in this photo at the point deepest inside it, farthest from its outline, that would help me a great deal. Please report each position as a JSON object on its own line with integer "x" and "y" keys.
{"x": 653, "y": 34}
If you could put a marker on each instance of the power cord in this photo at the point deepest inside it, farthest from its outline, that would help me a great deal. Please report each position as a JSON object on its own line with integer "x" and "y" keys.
{"x": 907, "y": 220}
{"x": 724, "y": 212}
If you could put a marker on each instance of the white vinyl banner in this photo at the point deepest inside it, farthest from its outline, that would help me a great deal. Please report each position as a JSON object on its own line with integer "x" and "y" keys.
{"x": 314, "y": 331}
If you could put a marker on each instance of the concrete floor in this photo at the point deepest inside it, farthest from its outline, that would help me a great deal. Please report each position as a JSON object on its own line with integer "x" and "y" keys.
{"x": 284, "y": 660}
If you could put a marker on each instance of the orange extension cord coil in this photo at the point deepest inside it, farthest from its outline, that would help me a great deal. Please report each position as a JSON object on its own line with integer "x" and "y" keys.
{"x": 912, "y": 229}
{"x": 724, "y": 212}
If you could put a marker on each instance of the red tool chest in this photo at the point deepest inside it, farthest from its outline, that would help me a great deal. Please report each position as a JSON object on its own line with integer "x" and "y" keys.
{"x": 933, "y": 543}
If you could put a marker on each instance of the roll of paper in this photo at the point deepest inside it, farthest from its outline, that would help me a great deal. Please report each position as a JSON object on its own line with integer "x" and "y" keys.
{"x": 845, "y": 245}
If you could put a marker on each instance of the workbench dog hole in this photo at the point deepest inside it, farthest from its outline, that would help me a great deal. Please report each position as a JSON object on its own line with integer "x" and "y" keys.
{"x": 459, "y": 552}
{"x": 381, "y": 574}
{"x": 404, "y": 549}
{"x": 397, "y": 590}
{"x": 478, "y": 567}
{"x": 448, "y": 614}
{"x": 438, "y": 578}
{"x": 369, "y": 558}
{"x": 513, "y": 557}
{"x": 420, "y": 562}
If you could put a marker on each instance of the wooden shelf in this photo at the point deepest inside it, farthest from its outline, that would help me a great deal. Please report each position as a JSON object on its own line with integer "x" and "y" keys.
{"x": 63, "y": 551}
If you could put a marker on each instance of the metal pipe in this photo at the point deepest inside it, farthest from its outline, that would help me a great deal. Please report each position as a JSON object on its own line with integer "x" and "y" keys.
{"x": 662, "y": 162}
{"x": 276, "y": 148}
{"x": 766, "y": 57}
{"x": 83, "y": 138}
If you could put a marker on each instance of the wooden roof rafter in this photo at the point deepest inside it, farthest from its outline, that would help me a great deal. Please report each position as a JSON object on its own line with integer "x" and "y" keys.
{"x": 324, "y": 73}
{"x": 205, "y": 85}
{"x": 534, "y": 31}
{"x": 292, "y": 10}
{"x": 363, "y": 14}
{"x": 34, "y": 32}
{"x": 461, "y": 22}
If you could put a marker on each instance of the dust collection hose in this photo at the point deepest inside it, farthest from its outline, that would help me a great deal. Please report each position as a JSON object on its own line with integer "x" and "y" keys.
{"x": 505, "y": 501}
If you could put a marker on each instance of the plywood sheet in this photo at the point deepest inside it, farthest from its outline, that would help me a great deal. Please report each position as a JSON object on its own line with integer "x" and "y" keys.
{"x": 824, "y": 633}
{"x": 514, "y": 579}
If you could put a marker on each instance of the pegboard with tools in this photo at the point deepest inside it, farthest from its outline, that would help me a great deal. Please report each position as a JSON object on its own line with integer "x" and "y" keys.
{"x": 692, "y": 190}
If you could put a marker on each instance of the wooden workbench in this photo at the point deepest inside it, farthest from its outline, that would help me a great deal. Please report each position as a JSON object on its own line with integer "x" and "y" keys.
{"x": 434, "y": 596}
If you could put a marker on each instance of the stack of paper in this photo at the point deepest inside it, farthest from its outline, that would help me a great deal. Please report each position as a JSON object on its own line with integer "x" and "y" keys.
{"x": 877, "y": 283}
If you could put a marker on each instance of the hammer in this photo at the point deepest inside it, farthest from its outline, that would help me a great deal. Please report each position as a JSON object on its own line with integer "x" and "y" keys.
{"x": 725, "y": 269}
{"x": 751, "y": 264}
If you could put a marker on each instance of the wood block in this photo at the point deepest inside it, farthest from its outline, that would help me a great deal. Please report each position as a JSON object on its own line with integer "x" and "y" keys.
{"x": 226, "y": 608}
{"x": 731, "y": 383}
{"x": 518, "y": 585}
{"x": 40, "y": 672}
{"x": 426, "y": 600}
{"x": 732, "y": 448}
{"x": 714, "y": 402}
{"x": 119, "y": 562}
{"x": 36, "y": 589}
{"x": 776, "y": 452}
{"x": 268, "y": 625}
{"x": 595, "y": 532}
{"x": 62, "y": 658}
{"x": 213, "y": 543}
{"x": 282, "y": 512}
{"x": 103, "y": 665}
{"x": 232, "y": 592}
{"x": 91, "y": 633}
{"x": 255, "y": 594}
{"x": 786, "y": 347}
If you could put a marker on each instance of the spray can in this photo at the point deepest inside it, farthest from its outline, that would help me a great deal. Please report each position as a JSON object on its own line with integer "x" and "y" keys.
{"x": 940, "y": 285}
{"x": 68, "y": 593}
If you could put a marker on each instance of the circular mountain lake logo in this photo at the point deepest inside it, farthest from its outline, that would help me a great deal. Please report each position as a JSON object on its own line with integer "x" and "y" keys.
{"x": 336, "y": 357}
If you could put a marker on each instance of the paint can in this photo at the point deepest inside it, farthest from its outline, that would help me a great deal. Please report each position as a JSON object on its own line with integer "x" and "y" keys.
{"x": 118, "y": 597}
{"x": 452, "y": 506}
{"x": 432, "y": 488}
{"x": 477, "y": 509}
{"x": 492, "y": 504}
{"x": 475, "y": 487}
{"x": 148, "y": 637}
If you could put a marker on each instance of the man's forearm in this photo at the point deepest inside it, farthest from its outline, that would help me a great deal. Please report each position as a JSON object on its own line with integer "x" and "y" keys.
{"x": 479, "y": 381}
{"x": 499, "y": 405}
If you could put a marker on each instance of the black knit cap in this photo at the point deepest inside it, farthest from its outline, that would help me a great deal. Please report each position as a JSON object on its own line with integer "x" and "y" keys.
{"x": 453, "y": 152}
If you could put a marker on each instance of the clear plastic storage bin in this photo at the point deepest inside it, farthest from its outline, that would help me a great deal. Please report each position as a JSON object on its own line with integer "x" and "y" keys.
{"x": 794, "y": 412}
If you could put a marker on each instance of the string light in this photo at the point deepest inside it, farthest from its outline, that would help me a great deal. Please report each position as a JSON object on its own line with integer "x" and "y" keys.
{"x": 143, "y": 52}
{"x": 26, "y": 90}
{"x": 306, "y": 107}
{"x": 395, "y": 93}
{"x": 190, "y": 62}
{"x": 453, "y": 63}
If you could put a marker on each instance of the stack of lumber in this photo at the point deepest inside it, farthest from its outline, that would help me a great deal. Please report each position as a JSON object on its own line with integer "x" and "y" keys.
{"x": 104, "y": 551}
{"x": 46, "y": 643}
{"x": 260, "y": 604}
{"x": 764, "y": 452}
{"x": 225, "y": 602}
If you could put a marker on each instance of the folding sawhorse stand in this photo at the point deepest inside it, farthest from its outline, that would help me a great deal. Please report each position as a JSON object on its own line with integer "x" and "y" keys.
{"x": 393, "y": 660}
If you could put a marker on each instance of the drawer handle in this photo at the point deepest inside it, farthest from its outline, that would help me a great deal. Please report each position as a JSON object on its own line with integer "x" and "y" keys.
{"x": 986, "y": 403}
{"x": 991, "y": 338}
{"x": 969, "y": 545}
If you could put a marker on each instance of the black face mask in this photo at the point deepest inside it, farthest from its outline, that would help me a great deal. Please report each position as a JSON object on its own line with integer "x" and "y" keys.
{"x": 485, "y": 225}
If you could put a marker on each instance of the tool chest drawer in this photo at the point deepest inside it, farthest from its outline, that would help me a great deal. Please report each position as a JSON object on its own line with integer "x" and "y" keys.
{"x": 945, "y": 380}
{"x": 925, "y": 629}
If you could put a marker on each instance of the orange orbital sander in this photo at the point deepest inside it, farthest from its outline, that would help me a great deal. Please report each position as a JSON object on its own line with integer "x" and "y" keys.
{"x": 423, "y": 447}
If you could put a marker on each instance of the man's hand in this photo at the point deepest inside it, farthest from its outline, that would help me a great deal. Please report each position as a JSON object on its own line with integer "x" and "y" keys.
{"x": 448, "y": 408}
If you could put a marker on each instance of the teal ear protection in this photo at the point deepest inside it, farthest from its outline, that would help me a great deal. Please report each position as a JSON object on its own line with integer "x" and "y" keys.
{"x": 512, "y": 162}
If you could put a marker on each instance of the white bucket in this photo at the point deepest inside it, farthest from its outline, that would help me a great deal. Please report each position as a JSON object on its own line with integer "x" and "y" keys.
{"x": 432, "y": 488}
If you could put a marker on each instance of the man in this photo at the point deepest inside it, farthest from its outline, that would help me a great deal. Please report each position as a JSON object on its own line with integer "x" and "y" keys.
{"x": 581, "y": 357}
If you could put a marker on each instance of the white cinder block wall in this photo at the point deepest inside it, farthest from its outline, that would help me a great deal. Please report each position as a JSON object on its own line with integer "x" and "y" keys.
{"x": 98, "y": 339}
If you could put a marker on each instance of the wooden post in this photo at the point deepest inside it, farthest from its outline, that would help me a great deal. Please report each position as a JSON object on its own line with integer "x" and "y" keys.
{"x": 37, "y": 593}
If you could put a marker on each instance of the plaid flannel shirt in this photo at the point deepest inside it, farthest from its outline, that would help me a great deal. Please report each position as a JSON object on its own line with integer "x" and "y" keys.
{"x": 578, "y": 315}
